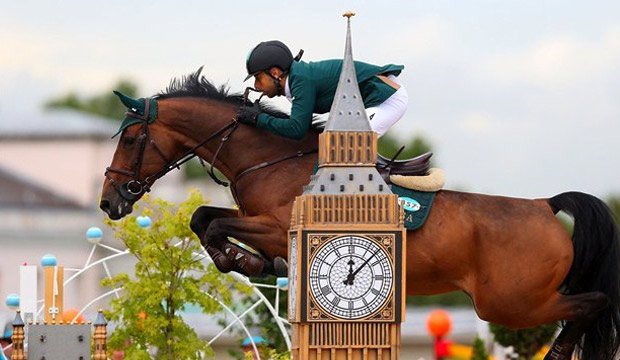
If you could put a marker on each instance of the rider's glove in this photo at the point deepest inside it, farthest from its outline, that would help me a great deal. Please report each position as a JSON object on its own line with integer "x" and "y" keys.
{"x": 248, "y": 114}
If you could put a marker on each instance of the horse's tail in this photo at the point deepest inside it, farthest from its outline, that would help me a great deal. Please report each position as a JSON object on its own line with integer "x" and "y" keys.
{"x": 596, "y": 267}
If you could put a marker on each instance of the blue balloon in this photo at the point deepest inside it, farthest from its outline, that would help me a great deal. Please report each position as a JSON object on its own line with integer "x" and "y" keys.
{"x": 144, "y": 221}
{"x": 49, "y": 260}
{"x": 12, "y": 300}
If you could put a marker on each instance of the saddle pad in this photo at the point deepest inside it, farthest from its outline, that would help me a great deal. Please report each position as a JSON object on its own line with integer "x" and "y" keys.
{"x": 417, "y": 205}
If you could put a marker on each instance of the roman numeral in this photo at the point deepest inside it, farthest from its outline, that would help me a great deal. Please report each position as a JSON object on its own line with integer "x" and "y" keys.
{"x": 326, "y": 290}
{"x": 374, "y": 291}
{"x": 378, "y": 277}
{"x": 350, "y": 305}
{"x": 336, "y": 301}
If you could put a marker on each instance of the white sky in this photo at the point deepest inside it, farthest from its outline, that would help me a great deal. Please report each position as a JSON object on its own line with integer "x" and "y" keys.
{"x": 518, "y": 98}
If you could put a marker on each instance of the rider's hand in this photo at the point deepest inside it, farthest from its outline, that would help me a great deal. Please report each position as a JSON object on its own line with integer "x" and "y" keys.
{"x": 248, "y": 114}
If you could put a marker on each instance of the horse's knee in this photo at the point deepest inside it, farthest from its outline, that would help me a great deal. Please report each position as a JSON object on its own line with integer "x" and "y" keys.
{"x": 214, "y": 235}
{"x": 200, "y": 221}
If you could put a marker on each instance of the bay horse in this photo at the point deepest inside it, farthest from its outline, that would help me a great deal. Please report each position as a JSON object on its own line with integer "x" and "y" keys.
{"x": 513, "y": 257}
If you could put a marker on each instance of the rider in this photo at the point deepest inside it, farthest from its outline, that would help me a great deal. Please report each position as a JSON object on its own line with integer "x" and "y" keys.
{"x": 311, "y": 86}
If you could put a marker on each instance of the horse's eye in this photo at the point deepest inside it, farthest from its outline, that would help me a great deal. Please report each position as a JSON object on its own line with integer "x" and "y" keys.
{"x": 129, "y": 140}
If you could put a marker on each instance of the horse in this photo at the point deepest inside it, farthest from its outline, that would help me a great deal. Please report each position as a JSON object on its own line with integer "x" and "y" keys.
{"x": 511, "y": 256}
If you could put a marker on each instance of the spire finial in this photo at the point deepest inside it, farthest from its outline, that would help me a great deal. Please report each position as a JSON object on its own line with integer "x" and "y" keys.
{"x": 348, "y": 15}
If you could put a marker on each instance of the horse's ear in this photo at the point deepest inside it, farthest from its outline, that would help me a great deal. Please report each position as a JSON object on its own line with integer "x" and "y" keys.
{"x": 127, "y": 101}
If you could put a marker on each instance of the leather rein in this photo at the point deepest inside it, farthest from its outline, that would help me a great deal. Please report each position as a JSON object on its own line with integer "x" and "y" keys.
{"x": 134, "y": 187}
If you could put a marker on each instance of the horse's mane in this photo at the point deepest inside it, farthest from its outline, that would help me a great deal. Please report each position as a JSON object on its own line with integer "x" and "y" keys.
{"x": 196, "y": 85}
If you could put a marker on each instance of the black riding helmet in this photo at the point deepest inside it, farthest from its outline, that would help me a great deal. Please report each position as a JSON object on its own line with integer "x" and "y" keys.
{"x": 267, "y": 55}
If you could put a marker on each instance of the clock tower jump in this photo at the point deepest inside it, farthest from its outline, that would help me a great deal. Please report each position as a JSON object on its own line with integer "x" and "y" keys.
{"x": 346, "y": 243}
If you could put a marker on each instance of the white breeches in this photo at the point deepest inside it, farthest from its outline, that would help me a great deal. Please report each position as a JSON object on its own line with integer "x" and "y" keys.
{"x": 390, "y": 111}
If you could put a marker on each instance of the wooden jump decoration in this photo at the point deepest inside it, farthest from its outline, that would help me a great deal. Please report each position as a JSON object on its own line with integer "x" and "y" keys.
{"x": 54, "y": 338}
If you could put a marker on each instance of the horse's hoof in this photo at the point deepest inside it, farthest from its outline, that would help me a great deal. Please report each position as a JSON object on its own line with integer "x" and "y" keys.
{"x": 280, "y": 267}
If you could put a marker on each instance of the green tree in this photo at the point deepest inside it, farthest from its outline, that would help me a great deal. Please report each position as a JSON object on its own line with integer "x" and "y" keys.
{"x": 479, "y": 352}
{"x": 526, "y": 342}
{"x": 106, "y": 104}
{"x": 457, "y": 298}
{"x": 270, "y": 355}
{"x": 263, "y": 319}
{"x": 388, "y": 145}
{"x": 614, "y": 204}
{"x": 168, "y": 276}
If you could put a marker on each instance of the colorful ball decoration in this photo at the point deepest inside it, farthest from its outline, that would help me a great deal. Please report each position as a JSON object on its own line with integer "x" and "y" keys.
{"x": 94, "y": 235}
{"x": 12, "y": 301}
{"x": 141, "y": 317}
{"x": 282, "y": 283}
{"x": 439, "y": 323}
{"x": 144, "y": 221}
{"x": 49, "y": 260}
{"x": 69, "y": 314}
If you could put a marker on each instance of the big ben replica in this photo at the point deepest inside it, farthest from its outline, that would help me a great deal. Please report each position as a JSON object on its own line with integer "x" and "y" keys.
{"x": 346, "y": 243}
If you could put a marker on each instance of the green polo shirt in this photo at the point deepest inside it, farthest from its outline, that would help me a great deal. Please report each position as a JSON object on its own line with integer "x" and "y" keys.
{"x": 313, "y": 86}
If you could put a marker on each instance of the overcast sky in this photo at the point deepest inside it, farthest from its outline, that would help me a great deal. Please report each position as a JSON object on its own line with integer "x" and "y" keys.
{"x": 518, "y": 98}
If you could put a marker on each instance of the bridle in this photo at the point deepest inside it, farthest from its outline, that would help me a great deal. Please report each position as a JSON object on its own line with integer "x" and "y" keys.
{"x": 135, "y": 187}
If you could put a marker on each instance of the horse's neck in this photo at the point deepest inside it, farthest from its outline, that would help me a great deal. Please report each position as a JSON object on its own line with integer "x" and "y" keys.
{"x": 198, "y": 119}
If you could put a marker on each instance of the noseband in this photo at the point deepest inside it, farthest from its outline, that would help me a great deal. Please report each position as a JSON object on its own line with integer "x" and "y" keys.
{"x": 135, "y": 187}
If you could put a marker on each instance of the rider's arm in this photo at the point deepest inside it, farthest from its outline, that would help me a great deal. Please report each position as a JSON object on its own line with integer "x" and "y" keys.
{"x": 296, "y": 126}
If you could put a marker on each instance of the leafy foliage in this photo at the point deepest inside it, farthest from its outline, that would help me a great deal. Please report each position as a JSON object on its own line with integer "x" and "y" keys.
{"x": 263, "y": 319}
{"x": 479, "y": 352}
{"x": 614, "y": 204}
{"x": 169, "y": 275}
{"x": 526, "y": 342}
{"x": 271, "y": 355}
{"x": 388, "y": 145}
{"x": 457, "y": 298}
{"x": 106, "y": 105}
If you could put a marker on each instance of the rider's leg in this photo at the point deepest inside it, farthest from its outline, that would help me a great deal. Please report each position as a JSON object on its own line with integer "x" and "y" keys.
{"x": 391, "y": 110}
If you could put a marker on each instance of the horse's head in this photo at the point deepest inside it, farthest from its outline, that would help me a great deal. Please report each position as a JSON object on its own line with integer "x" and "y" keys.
{"x": 143, "y": 150}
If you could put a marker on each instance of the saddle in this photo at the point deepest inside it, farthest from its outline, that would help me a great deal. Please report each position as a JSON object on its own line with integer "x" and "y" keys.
{"x": 417, "y": 166}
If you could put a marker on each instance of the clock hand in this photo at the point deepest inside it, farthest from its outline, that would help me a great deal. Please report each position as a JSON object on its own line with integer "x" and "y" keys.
{"x": 350, "y": 263}
{"x": 351, "y": 277}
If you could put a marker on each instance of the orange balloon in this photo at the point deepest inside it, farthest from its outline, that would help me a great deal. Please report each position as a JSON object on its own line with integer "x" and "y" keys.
{"x": 69, "y": 314}
{"x": 439, "y": 323}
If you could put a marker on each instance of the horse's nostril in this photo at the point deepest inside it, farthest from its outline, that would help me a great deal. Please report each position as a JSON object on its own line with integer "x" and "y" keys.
{"x": 104, "y": 205}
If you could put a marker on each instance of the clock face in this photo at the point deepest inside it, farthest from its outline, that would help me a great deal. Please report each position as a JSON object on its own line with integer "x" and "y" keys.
{"x": 351, "y": 277}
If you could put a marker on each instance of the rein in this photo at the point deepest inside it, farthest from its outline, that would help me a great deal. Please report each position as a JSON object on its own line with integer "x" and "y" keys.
{"x": 134, "y": 188}
{"x": 262, "y": 166}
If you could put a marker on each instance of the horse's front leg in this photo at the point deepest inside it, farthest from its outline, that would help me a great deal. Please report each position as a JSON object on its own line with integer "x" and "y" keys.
{"x": 200, "y": 224}
{"x": 261, "y": 232}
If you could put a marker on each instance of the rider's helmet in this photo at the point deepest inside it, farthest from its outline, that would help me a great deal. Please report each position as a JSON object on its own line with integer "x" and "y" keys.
{"x": 267, "y": 55}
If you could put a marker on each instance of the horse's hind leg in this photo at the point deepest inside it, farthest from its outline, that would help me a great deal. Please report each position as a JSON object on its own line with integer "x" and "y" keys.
{"x": 583, "y": 309}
